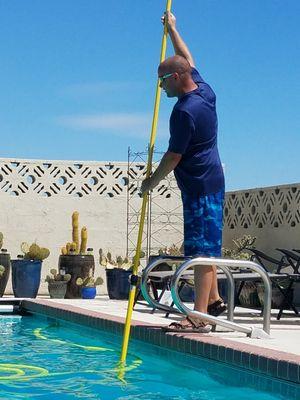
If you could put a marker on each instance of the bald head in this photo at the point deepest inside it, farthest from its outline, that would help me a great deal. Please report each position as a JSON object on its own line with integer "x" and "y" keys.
{"x": 175, "y": 64}
{"x": 176, "y": 76}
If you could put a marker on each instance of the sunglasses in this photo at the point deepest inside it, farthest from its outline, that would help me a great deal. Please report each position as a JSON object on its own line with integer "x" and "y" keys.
{"x": 162, "y": 78}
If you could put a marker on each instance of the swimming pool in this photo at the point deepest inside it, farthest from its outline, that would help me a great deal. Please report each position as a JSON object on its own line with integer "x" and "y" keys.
{"x": 44, "y": 358}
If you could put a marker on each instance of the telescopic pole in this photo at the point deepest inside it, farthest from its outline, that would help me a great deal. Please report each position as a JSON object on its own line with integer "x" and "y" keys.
{"x": 144, "y": 204}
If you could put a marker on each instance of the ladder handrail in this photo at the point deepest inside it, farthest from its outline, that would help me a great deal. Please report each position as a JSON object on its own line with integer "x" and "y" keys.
{"x": 221, "y": 263}
{"x": 225, "y": 265}
{"x": 155, "y": 304}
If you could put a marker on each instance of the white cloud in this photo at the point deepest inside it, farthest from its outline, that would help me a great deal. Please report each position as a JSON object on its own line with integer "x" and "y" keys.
{"x": 129, "y": 124}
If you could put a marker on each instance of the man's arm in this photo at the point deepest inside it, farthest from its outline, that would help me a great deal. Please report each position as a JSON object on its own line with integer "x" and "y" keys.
{"x": 179, "y": 45}
{"x": 168, "y": 163}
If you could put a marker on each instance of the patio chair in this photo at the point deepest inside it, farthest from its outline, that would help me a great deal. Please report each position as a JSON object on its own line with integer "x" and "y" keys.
{"x": 293, "y": 259}
{"x": 163, "y": 279}
{"x": 287, "y": 267}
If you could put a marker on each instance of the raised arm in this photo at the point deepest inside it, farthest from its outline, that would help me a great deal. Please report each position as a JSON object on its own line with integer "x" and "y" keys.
{"x": 179, "y": 45}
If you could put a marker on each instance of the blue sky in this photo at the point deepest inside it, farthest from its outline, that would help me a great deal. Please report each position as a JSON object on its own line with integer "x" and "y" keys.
{"x": 78, "y": 80}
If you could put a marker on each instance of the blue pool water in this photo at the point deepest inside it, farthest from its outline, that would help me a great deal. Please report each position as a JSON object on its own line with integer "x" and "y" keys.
{"x": 48, "y": 359}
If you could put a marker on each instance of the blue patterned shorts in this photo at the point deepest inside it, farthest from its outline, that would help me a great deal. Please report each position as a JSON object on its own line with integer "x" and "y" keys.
{"x": 203, "y": 223}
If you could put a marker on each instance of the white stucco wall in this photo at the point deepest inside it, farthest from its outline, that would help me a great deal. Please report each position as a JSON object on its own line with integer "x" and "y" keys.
{"x": 272, "y": 214}
{"x": 37, "y": 199}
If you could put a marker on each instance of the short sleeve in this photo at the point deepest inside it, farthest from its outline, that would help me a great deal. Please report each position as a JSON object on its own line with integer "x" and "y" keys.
{"x": 181, "y": 131}
{"x": 197, "y": 78}
{"x": 205, "y": 90}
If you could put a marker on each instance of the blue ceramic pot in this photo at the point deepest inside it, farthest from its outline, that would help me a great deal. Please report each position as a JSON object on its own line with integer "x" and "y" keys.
{"x": 88, "y": 292}
{"x": 118, "y": 285}
{"x": 6, "y": 263}
{"x": 26, "y": 277}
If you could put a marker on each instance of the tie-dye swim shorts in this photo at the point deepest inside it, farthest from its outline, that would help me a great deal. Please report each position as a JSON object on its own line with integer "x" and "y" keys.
{"x": 203, "y": 223}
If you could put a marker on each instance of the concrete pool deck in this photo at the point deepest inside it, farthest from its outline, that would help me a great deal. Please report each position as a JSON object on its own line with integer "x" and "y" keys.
{"x": 277, "y": 357}
{"x": 285, "y": 334}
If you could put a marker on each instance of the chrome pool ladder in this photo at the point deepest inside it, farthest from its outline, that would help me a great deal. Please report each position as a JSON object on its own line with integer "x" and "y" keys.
{"x": 226, "y": 266}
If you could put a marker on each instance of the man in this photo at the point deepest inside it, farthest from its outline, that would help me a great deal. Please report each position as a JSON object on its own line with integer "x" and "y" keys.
{"x": 194, "y": 158}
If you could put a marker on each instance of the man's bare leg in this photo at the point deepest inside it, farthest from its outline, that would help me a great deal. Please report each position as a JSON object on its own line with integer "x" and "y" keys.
{"x": 203, "y": 277}
{"x": 214, "y": 294}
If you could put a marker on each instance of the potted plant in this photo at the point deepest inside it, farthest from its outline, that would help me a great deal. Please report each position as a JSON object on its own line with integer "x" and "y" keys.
{"x": 118, "y": 272}
{"x": 6, "y": 266}
{"x": 57, "y": 284}
{"x": 76, "y": 259}
{"x": 26, "y": 270}
{"x": 88, "y": 286}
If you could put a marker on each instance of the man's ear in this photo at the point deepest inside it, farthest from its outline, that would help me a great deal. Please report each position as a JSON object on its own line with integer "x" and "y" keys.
{"x": 176, "y": 75}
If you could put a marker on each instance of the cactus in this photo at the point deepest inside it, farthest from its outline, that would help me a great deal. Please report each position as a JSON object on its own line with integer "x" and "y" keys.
{"x": 109, "y": 262}
{"x": 1, "y": 240}
{"x": 76, "y": 247}
{"x": 34, "y": 252}
{"x": 25, "y": 247}
{"x": 102, "y": 258}
{"x": 2, "y": 270}
{"x": 83, "y": 240}
{"x": 109, "y": 258}
{"x": 43, "y": 253}
{"x": 89, "y": 281}
{"x": 75, "y": 230}
{"x": 67, "y": 277}
{"x": 119, "y": 261}
{"x": 79, "y": 281}
{"x": 57, "y": 277}
{"x": 64, "y": 251}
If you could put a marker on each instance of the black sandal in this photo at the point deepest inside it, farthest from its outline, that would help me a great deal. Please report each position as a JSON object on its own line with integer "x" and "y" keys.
{"x": 193, "y": 326}
{"x": 217, "y": 308}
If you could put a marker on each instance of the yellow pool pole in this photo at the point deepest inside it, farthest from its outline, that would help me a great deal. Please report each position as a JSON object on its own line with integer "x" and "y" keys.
{"x": 132, "y": 291}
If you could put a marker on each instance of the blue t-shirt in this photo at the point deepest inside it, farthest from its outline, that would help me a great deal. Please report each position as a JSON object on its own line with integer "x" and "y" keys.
{"x": 193, "y": 133}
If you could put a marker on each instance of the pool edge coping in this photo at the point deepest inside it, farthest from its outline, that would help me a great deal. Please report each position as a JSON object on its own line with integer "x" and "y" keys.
{"x": 271, "y": 363}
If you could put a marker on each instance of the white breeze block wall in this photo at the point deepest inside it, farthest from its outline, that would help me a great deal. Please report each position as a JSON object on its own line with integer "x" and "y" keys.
{"x": 38, "y": 198}
{"x": 272, "y": 214}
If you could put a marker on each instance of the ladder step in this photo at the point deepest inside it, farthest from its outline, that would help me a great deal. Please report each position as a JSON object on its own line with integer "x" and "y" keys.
{"x": 9, "y": 308}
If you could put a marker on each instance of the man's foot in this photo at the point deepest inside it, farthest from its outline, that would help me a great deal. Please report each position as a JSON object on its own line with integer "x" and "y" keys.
{"x": 188, "y": 325}
{"x": 217, "y": 308}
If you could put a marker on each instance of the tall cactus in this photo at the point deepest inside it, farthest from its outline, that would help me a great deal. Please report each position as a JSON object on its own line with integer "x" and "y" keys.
{"x": 75, "y": 230}
{"x": 76, "y": 246}
{"x": 83, "y": 240}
